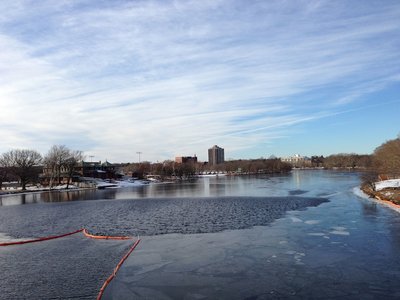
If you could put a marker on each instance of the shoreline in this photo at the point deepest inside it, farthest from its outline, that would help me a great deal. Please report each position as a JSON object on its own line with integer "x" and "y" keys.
{"x": 73, "y": 188}
{"x": 44, "y": 190}
{"x": 379, "y": 198}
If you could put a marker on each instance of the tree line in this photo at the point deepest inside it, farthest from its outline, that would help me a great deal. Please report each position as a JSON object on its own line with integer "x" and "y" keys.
{"x": 25, "y": 165}
{"x": 254, "y": 166}
{"x": 171, "y": 169}
{"x": 385, "y": 163}
{"x": 347, "y": 161}
{"x": 386, "y": 158}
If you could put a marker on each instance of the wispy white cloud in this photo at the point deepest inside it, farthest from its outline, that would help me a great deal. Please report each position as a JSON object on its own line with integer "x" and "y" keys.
{"x": 175, "y": 77}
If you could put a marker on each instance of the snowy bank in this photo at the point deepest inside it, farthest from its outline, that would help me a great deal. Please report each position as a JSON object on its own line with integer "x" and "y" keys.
{"x": 386, "y": 199}
{"x": 101, "y": 184}
{"x": 391, "y": 183}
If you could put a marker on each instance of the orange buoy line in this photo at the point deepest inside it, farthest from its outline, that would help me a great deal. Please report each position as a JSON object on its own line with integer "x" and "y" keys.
{"x": 52, "y": 237}
{"x": 111, "y": 277}
{"x": 105, "y": 237}
{"x": 87, "y": 234}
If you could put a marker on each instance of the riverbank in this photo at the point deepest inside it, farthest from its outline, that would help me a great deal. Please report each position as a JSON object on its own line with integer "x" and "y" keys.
{"x": 92, "y": 185}
{"x": 43, "y": 190}
{"x": 387, "y": 196}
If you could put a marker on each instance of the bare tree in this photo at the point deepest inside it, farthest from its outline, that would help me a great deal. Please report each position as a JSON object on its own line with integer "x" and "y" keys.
{"x": 386, "y": 158}
{"x": 368, "y": 179}
{"x": 4, "y": 171}
{"x": 3, "y": 176}
{"x": 54, "y": 162}
{"x": 23, "y": 163}
{"x": 71, "y": 162}
{"x": 61, "y": 161}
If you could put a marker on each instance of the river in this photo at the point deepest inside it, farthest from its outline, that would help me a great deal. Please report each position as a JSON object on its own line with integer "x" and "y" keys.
{"x": 302, "y": 235}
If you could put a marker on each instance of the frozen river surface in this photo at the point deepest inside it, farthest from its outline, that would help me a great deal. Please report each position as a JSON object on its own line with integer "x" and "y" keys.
{"x": 304, "y": 235}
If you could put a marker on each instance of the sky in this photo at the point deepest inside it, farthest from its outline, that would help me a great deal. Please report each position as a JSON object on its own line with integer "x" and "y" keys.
{"x": 173, "y": 78}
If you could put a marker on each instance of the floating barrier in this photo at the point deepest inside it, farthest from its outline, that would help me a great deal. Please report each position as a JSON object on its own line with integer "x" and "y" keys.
{"x": 52, "y": 237}
{"x": 105, "y": 237}
{"x": 86, "y": 234}
{"x": 111, "y": 277}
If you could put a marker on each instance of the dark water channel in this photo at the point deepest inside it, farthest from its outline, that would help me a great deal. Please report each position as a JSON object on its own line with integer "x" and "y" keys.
{"x": 303, "y": 235}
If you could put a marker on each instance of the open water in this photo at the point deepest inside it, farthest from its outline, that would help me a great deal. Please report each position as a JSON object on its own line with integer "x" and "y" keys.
{"x": 301, "y": 235}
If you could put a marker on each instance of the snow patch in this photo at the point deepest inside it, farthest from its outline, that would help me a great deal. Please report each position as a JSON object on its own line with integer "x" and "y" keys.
{"x": 316, "y": 233}
{"x": 64, "y": 186}
{"x": 4, "y": 238}
{"x": 296, "y": 220}
{"x": 359, "y": 193}
{"x": 391, "y": 183}
{"x": 312, "y": 222}
{"x": 339, "y": 232}
{"x": 120, "y": 183}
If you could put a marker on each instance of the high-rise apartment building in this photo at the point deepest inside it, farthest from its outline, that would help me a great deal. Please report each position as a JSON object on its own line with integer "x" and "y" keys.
{"x": 215, "y": 155}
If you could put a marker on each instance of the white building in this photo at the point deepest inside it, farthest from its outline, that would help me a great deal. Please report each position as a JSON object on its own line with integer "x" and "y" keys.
{"x": 297, "y": 160}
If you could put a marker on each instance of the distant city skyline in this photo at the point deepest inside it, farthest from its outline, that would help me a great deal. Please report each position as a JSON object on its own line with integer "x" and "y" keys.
{"x": 169, "y": 78}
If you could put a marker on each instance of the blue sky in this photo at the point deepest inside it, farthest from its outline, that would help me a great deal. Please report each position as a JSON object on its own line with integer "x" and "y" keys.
{"x": 170, "y": 78}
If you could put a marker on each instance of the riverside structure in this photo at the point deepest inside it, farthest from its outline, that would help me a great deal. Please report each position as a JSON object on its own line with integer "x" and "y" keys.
{"x": 216, "y": 155}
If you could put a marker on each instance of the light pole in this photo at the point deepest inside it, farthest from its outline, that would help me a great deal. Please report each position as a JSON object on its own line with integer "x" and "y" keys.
{"x": 139, "y": 155}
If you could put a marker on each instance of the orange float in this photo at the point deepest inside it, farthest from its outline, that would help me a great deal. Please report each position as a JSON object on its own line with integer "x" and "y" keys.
{"x": 87, "y": 234}
{"x": 105, "y": 237}
{"x": 111, "y": 277}
{"x": 52, "y": 237}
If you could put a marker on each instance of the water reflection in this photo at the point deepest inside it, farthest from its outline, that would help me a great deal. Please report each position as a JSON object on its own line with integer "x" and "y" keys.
{"x": 369, "y": 209}
{"x": 202, "y": 187}
{"x": 296, "y": 175}
{"x": 299, "y": 182}
{"x": 394, "y": 225}
{"x": 344, "y": 248}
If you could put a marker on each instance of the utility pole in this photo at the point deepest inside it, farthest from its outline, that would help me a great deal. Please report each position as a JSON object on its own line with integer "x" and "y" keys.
{"x": 139, "y": 155}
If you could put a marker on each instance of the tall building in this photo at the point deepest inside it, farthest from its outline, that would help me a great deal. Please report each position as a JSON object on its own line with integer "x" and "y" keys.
{"x": 215, "y": 155}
